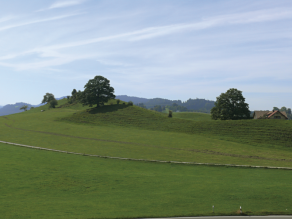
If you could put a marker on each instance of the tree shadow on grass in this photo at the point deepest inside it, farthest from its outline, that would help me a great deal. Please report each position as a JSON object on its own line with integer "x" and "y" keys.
{"x": 107, "y": 108}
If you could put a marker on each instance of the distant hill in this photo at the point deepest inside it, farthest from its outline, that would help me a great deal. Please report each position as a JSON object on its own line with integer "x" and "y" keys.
{"x": 15, "y": 108}
{"x": 135, "y": 100}
{"x": 198, "y": 105}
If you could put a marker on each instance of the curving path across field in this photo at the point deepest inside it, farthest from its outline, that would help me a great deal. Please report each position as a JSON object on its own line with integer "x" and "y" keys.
{"x": 158, "y": 161}
{"x": 155, "y": 146}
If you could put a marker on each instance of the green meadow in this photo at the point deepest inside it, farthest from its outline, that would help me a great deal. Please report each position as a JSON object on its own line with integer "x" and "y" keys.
{"x": 42, "y": 184}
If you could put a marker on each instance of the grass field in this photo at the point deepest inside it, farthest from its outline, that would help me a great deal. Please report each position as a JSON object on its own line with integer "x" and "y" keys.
{"x": 118, "y": 130}
{"x": 41, "y": 184}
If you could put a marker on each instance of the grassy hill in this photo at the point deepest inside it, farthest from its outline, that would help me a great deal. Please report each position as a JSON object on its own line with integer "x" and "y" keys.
{"x": 269, "y": 133}
{"x": 53, "y": 185}
{"x": 192, "y": 116}
{"x": 130, "y": 131}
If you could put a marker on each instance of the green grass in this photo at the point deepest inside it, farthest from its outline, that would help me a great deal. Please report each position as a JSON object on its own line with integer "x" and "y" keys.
{"x": 122, "y": 131}
{"x": 274, "y": 133}
{"x": 192, "y": 116}
{"x": 42, "y": 184}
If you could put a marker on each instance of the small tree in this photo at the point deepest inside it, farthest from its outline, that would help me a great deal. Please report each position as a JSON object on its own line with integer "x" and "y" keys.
{"x": 23, "y": 108}
{"x": 130, "y": 103}
{"x": 170, "y": 114}
{"x": 97, "y": 91}
{"x": 275, "y": 108}
{"x": 50, "y": 99}
{"x": 230, "y": 105}
{"x": 283, "y": 109}
{"x": 118, "y": 101}
{"x": 157, "y": 108}
{"x": 53, "y": 103}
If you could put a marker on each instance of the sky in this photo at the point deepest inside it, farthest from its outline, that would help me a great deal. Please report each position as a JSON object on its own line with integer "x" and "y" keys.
{"x": 173, "y": 49}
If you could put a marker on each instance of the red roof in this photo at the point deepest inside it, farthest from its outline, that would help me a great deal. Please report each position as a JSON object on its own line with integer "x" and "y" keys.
{"x": 276, "y": 111}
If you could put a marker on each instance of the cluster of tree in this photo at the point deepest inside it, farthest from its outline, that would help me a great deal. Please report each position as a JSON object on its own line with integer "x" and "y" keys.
{"x": 158, "y": 108}
{"x": 141, "y": 105}
{"x": 50, "y": 99}
{"x": 97, "y": 91}
{"x": 191, "y": 105}
{"x": 230, "y": 106}
{"x": 285, "y": 109}
{"x": 199, "y": 105}
{"x": 159, "y": 101}
{"x": 76, "y": 96}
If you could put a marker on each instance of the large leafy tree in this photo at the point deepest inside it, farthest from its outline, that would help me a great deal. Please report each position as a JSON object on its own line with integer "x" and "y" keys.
{"x": 50, "y": 99}
{"x": 230, "y": 105}
{"x": 97, "y": 92}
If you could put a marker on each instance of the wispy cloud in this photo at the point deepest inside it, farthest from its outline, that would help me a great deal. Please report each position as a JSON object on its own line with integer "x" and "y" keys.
{"x": 138, "y": 35}
{"x": 6, "y": 18}
{"x": 38, "y": 21}
{"x": 152, "y": 32}
{"x": 63, "y": 4}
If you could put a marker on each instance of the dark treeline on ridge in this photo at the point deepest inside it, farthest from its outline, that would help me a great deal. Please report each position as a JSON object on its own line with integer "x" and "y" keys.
{"x": 197, "y": 105}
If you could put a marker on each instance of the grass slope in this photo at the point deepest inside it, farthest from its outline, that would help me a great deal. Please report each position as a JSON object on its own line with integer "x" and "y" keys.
{"x": 277, "y": 133}
{"x": 41, "y": 184}
{"x": 192, "y": 116}
{"x": 126, "y": 131}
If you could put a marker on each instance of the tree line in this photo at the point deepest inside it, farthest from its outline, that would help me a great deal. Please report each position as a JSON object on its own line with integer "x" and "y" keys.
{"x": 230, "y": 105}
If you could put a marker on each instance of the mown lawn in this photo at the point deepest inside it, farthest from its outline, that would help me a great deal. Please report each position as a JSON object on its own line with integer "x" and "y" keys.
{"x": 42, "y": 184}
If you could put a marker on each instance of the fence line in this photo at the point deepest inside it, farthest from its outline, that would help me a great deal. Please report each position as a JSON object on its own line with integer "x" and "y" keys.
{"x": 133, "y": 159}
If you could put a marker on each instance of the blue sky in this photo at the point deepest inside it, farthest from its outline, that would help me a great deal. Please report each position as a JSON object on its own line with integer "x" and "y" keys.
{"x": 147, "y": 48}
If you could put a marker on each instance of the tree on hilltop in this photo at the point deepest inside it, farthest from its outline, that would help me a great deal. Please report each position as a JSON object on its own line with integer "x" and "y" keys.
{"x": 50, "y": 99}
{"x": 230, "y": 105}
{"x": 23, "y": 108}
{"x": 97, "y": 92}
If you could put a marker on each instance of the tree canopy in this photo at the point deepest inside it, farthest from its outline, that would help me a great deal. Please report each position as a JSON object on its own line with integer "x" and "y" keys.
{"x": 97, "y": 92}
{"x": 24, "y": 108}
{"x": 230, "y": 105}
{"x": 50, "y": 99}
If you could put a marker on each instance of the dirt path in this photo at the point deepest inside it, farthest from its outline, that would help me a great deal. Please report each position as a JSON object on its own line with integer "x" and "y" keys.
{"x": 153, "y": 146}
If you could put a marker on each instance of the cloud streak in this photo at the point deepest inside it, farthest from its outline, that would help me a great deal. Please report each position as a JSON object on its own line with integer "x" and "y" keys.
{"x": 139, "y": 35}
{"x": 38, "y": 21}
{"x": 153, "y": 32}
{"x": 63, "y": 4}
